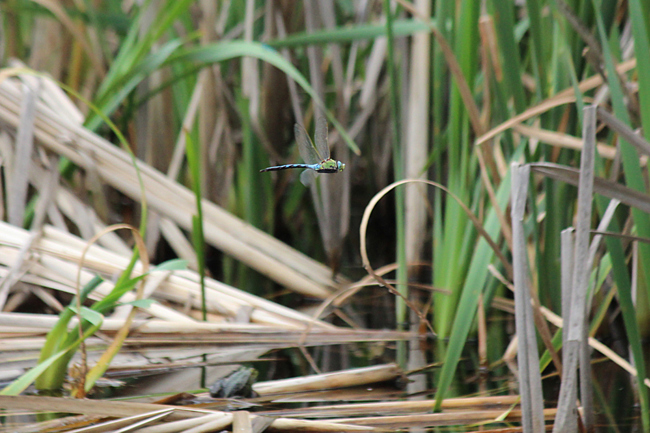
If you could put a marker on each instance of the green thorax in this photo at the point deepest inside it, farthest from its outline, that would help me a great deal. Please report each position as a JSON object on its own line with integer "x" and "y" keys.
{"x": 330, "y": 164}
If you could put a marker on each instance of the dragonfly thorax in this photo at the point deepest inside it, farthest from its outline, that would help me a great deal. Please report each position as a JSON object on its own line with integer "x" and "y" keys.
{"x": 330, "y": 166}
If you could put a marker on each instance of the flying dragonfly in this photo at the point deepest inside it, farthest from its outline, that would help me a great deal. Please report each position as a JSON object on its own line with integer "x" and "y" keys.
{"x": 316, "y": 156}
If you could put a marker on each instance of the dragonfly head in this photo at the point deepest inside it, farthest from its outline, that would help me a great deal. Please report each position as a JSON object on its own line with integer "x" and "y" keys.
{"x": 340, "y": 166}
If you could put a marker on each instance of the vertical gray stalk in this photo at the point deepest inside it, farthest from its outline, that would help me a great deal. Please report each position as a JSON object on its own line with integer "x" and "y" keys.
{"x": 415, "y": 157}
{"x": 567, "y": 247}
{"x": 575, "y": 329}
{"x": 530, "y": 382}
{"x": 17, "y": 193}
{"x": 417, "y": 137}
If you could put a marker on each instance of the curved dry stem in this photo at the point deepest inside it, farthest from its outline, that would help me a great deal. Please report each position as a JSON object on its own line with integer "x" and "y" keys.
{"x": 337, "y": 299}
{"x": 343, "y": 295}
{"x": 538, "y": 109}
{"x": 364, "y": 225}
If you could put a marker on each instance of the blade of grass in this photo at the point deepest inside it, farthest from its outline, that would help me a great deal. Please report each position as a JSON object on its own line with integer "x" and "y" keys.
{"x": 197, "y": 219}
{"x": 56, "y": 337}
{"x": 512, "y": 63}
{"x": 117, "y": 93}
{"x": 352, "y": 33}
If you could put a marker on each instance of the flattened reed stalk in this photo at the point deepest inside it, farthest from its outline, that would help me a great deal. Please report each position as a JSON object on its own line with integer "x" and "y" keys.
{"x": 568, "y": 249}
{"x": 503, "y": 403}
{"x": 602, "y": 187}
{"x": 576, "y": 347}
{"x": 17, "y": 191}
{"x": 339, "y": 379}
{"x": 530, "y": 383}
{"x": 581, "y": 282}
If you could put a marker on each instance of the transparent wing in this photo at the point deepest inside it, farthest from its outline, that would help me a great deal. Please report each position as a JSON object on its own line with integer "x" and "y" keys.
{"x": 307, "y": 149}
{"x": 320, "y": 137}
{"x": 308, "y": 177}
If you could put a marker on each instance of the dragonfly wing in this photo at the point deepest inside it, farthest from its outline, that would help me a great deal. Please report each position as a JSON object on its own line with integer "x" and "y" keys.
{"x": 308, "y": 177}
{"x": 320, "y": 137}
{"x": 306, "y": 147}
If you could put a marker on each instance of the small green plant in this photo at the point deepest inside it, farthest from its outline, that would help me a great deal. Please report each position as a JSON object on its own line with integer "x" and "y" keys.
{"x": 62, "y": 343}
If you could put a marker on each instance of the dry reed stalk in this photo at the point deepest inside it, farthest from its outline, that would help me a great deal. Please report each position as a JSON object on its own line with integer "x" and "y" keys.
{"x": 441, "y": 419}
{"x": 400, "y": 407}
{"x": 567, "y": 250}
{"x": 241, "y": 422}
{"x": 564, "y": 140}
{"x": 625, "y": 195}
{"x": 306, "y": 425}
{"x": 577, "y": 348}
{"x": 95, "y": 407}
{"x": 415, "y": 151}
{"x": 338, "y": 379}
{"x": 215, "y": 422}
{"x": 152, "y": 332}
{"x": 123, "y": 424}
{"x": 17, "y": 188}
{"x": 530, "y": 383}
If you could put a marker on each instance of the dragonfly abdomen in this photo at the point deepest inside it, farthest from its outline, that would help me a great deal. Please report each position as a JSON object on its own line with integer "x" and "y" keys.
{"x": 286, "y": 167}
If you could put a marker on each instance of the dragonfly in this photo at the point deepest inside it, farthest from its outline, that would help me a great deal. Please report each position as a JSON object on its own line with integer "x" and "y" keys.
{"x": 316, "y": 156}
